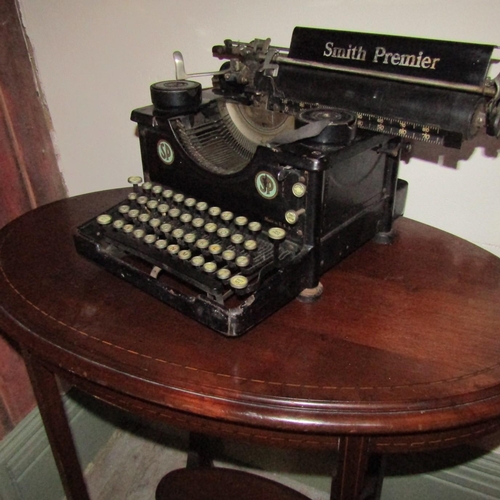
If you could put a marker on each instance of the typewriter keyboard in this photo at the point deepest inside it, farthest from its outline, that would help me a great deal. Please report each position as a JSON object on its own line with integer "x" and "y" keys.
{"x": 207, "y": 247}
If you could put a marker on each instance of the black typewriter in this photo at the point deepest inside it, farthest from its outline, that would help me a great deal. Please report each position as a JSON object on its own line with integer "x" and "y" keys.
{"x": 255, "y": 187}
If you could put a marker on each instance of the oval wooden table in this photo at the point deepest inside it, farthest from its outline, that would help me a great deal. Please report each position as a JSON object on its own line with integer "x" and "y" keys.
{"x": 401, "y": 354}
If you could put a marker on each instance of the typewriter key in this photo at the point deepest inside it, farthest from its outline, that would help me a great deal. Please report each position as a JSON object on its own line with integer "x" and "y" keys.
{"x": 215, "y": 249}
{"x": 134, "y": 213}
{"x": 128, "y": 228}
{"x": 223, "y": 232}
{"x": 189, "y": 202}
{"x": 123, "y": 209}
{"x": 228, "y": 255}
{"x": 147, "y": 186}
{"x": 198, "y": 261}
{"x": 163, "y": 208}
{"x": 299, "y": 189}
{"x": 173, "y": 249}
{"x": 152, "y": 204}
{"x": 178, "y": 197}
{"x": 174, "y": 213}
{"x": 223, "y": 274}
{"x": 254, "y": 227}
{"x": 149, "y": 239}
{"x": 214, "y": 211}
{"x": 202, "y": 206}
{"x": 238, "y": 282}
{"x": 135, "y": 180}
{"x": 190, "y": 238}
{"x": 242, "y": 261}
{"x": 210, "y": 267}
{"x": 132, "y": 196}
{"x": 166, "y": 227}
{"x": 118, "y": 223}
{"x": 241, "y": 221}
{"x": 157, "y": 189}
{"x": 167, "y": 194}
{"x": 202, "y": 243}
{"x": 144, "y": 217}
{"x": 154, "y": 223}
{"x": 237, "y": 239}
{"x": 227, "y": 216}
{"x": 276, "y": 233}
{"x": 185, "y": 254}
{"x": 139, "y": 233}
{"x": 161, "y": 244}
{"x": 250, "y": 245}
{"x": 210, "y": 227}
{"x": 142, "y": 200}
{"x": 292, "y": 216}
{"x": 198, "y": 222}
{"x": 178, "y": 233}
{"x": 104, "y": 219}
{"x": 186, "y": 218}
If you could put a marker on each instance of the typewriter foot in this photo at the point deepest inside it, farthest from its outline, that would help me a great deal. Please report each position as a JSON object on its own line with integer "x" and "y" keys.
{"x": 311, "y": 294}
{"x": 384, "y": 238}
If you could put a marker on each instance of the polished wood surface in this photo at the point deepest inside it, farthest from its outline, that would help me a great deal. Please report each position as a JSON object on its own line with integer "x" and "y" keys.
{"x": 402, "y": 352}
{"x": 215, "y": 483}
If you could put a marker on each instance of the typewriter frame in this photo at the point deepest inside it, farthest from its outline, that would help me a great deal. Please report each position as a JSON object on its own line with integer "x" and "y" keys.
{"x": 352, "y": 194}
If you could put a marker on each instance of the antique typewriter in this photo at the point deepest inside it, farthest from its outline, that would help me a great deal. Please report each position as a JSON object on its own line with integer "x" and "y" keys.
{"x": 255, "y": 187}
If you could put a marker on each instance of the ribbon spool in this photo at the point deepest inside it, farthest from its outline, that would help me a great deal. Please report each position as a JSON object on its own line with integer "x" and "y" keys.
{"x": 176, "y": 95}
{"x": 341, "y": 127}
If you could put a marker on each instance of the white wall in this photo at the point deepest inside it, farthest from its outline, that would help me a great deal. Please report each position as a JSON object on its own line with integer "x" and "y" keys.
{"x": 97, "y": 58}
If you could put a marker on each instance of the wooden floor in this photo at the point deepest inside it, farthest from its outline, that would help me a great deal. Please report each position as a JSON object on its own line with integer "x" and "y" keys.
{"x": 130, "y": 466}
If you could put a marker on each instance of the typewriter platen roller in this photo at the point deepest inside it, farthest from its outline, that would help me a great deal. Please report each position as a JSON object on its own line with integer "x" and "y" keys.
{"x": 256, "y": 187}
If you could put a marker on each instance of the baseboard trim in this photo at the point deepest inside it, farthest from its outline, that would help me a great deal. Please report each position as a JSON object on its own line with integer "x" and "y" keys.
{"x": 474, "y": 479}
{"x": 27, "y": 467}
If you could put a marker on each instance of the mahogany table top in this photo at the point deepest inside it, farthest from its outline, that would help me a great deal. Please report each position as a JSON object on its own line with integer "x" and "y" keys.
{"x": 405, "y": 339}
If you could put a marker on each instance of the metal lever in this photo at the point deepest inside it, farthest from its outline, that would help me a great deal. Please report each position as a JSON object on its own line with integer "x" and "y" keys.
{"x": 180, "y": 69}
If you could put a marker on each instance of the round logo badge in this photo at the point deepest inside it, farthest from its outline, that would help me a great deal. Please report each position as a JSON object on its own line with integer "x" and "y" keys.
{"x": 267, "y": 185}
{"x": 165, "y": 152}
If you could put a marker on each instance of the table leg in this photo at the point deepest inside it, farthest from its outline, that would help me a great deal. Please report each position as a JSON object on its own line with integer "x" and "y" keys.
{"x": 57, "y": 427}
{"x": 358, "y": 475}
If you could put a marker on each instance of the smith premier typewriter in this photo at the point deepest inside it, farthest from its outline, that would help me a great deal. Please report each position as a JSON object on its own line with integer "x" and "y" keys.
{"x": 257, "y": 186}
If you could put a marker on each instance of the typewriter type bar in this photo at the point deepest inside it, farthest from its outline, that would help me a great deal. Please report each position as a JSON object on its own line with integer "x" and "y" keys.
{"x": 256, "y": 187}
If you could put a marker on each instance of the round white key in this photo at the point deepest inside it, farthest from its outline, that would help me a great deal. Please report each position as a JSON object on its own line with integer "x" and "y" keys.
{"x": 104, "y": 219}
{"x": 250, "y": 245}
{"x": 134, "y": 180}
{"x": 173, "y": 249}
{"x": 242, "y": 261}
{"x": 210, "y": 267}
{"x": 202, "y": 243}
{"x": 214, "y": 211}
{"x": 228, "y": 255}
{"x": 198, "y": 261}
{"x": 185, "y": 254}
{"x": 277, "y": 233}
{"x": 118, "y": 223}
{"x": 223, "y": 274}
{"x": 238, "y": 282}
